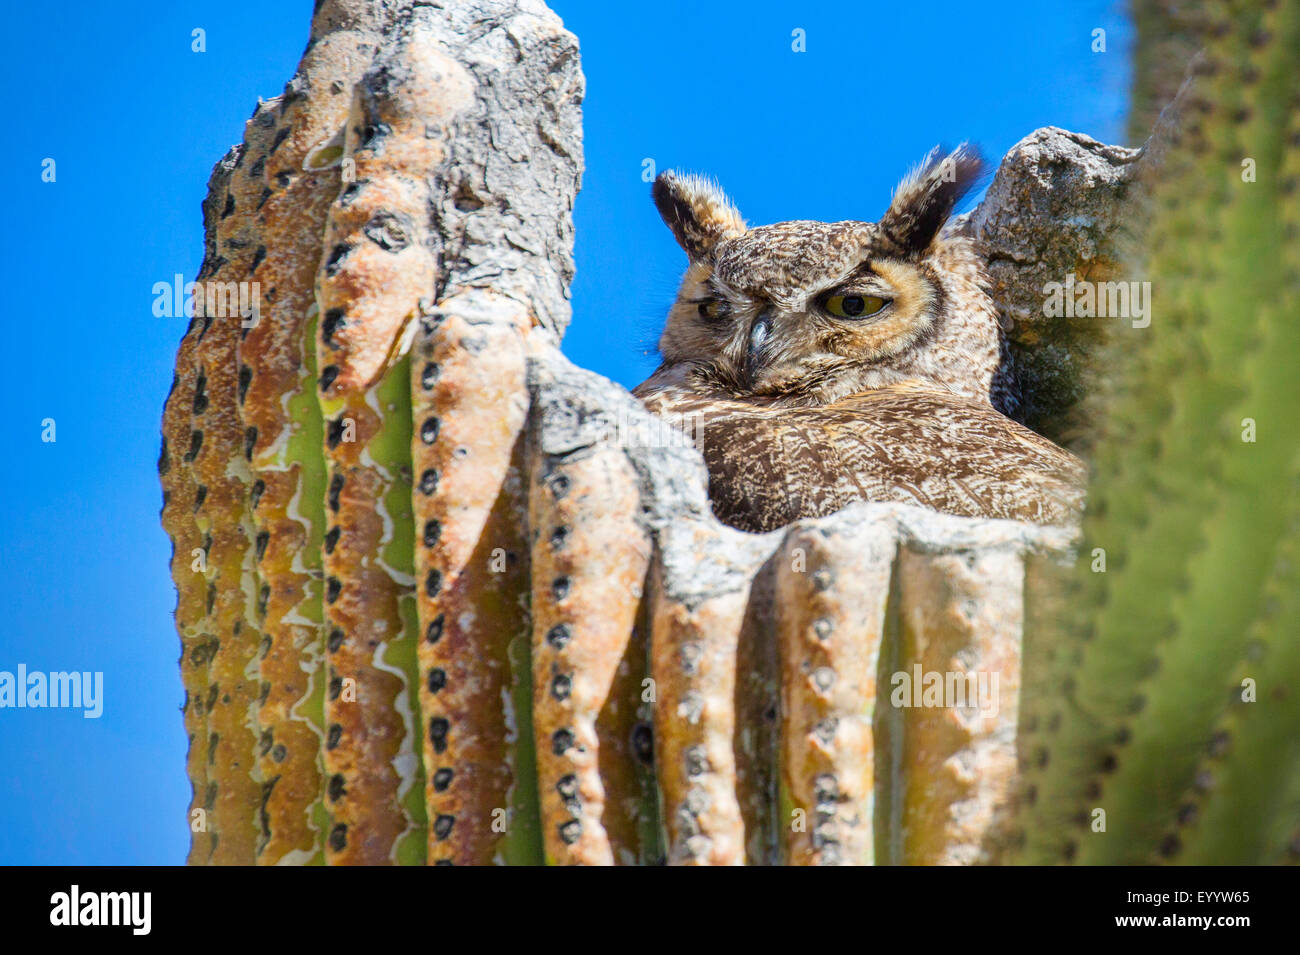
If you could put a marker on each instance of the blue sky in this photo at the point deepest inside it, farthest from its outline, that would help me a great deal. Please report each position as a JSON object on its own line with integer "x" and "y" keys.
{"x": 135, "y": 121}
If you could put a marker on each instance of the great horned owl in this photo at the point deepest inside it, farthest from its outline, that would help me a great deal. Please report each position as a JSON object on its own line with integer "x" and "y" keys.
{"x": 822, "y": 363}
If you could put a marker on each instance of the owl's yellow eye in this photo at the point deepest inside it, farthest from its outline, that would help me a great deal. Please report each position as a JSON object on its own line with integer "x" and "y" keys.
{"x": 711, "y": 309}
{"x": 855, "y": 306}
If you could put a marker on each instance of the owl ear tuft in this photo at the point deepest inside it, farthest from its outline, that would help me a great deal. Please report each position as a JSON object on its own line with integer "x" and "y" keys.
{"x": 697, "y": 211}
{"x": 926, "y": 197}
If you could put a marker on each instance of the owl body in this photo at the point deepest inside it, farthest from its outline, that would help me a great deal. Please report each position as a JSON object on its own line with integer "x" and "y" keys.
{"x": 905, "y": 443}
{"x": 821, "y": 364}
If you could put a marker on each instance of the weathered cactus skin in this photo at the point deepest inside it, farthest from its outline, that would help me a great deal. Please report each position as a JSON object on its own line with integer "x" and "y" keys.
{"x": 472, "y": 573}
{"x": 439, "y": 602}
{"x": 1142, "y": 712}
{"x": 279, "y": 375}
{"x": 831, "y": 616}
{"x": 357, "y": 689}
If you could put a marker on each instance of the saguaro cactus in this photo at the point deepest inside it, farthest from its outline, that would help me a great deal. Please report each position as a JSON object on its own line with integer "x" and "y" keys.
{"x": 445, "y": 598}
{"x": 346, "y": 650}
{"x": 1165, "y": 728}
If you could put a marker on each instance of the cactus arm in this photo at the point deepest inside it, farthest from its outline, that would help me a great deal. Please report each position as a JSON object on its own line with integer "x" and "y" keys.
{"x": 1244, "y": 803}
{"x": 469, "y": 405}
{"x": 831, "y": 594}
{"x": 368, "y": 288}
{"x": 586, "y": 597}
{"x": 1188, "y": 513}
{"x": 693, "y": 651}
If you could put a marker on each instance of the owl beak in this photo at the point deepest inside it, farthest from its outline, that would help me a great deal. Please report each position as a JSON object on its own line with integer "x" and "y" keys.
{"x": 756, "y": 354}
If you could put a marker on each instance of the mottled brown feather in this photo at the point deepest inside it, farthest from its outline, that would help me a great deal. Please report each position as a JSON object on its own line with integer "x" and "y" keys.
{"x": 770, "y": 466}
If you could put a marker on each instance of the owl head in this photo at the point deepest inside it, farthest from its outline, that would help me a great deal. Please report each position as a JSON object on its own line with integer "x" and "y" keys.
{"x": 806, "y": 312}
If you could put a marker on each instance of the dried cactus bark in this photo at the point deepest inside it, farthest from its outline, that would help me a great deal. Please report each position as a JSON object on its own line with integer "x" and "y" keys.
{"x": 1060, "y": 205}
